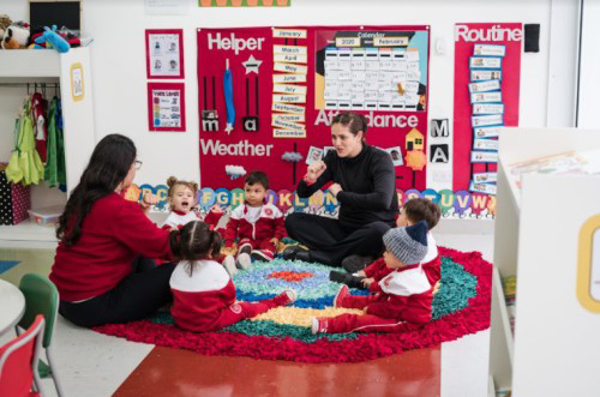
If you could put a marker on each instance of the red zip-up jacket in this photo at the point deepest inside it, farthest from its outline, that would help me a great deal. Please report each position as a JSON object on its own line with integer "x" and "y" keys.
{"x": 113, "y": 233}
{"x": 268, "y": 225}
{"x": 405, "y": 295}
{"x": 430, "y": 264}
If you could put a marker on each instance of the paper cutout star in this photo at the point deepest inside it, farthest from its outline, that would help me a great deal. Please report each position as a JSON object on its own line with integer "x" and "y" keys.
{"x": 252, "y": 65}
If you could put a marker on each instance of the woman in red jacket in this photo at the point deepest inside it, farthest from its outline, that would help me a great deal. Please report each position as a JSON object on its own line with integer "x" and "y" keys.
{"x": 101, "y": 267}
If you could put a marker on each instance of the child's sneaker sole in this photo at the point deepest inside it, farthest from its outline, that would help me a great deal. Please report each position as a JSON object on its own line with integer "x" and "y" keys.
{"x": 244, "y": 261}
{"x": 260, "y": 256}
{"x": 339, "y": 297}
{"x": 229, "y": 265}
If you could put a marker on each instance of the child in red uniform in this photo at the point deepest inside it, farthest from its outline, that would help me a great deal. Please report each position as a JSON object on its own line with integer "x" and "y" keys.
{"x": 404, "y": 298}
{"x": 258, "y": 224}
{"x": 413, "y": 211}
{"x": 183, "y": 197}
{"x": 203, "y": 293}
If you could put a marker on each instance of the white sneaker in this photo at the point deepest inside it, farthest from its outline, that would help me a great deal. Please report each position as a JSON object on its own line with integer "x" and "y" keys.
{"x": 291, "y": 294}
{"x": 229, "y": 265}
{"x": 319, "y": 325}
{"x": 244, "y": 261}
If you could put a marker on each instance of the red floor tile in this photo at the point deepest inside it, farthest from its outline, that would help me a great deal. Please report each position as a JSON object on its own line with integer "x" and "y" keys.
{"x": 180, "y": 373}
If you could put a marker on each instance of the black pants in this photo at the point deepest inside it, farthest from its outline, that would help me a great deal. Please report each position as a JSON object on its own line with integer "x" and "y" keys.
{"x": 330, "y": 242}
{"x": 136, "y": 297}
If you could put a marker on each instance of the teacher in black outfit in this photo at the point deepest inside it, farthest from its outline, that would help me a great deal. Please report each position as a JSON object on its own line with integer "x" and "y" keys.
{"x": 364, "y": 183}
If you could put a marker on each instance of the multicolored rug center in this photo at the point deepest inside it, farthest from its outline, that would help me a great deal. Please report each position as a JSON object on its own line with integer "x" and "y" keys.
{"x": 461, "y": 306}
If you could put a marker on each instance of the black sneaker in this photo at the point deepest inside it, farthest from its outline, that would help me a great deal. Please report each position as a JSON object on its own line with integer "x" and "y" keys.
{"x": 348, "y": 279}
{"x": 303, "y": 255}
{"x": 356, "y": 263}
{"x": 289, "y": 254}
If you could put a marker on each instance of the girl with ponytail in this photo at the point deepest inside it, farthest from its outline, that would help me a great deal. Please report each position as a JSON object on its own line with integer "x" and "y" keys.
{"x": 203, "y": 293}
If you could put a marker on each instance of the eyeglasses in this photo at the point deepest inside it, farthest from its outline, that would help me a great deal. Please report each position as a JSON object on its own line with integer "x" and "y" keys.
{"x": 137, "y": 164}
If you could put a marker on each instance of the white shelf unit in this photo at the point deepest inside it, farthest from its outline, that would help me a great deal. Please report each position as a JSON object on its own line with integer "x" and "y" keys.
{"x": 527, "y": 221}
{"x": 78, "y": 125}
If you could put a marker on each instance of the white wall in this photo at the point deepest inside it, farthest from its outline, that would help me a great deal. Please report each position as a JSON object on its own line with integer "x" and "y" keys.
{"x": 119, "y": 74}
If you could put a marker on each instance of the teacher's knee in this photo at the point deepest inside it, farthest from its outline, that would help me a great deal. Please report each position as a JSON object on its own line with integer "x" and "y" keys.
{"x": 377, "y": 229}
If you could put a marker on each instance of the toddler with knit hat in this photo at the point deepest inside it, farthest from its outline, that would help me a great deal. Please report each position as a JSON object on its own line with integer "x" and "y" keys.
{"x": 403, "y": 298}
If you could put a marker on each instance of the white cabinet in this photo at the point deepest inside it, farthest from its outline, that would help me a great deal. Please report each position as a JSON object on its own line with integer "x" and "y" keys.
{"x": 78, "y": 122}
{"x": 537, "y": 238}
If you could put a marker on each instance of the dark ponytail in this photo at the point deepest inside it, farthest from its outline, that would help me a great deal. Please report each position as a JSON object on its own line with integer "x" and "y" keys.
{"x": 174, "y": 241}
{"x": 195, "y": 241}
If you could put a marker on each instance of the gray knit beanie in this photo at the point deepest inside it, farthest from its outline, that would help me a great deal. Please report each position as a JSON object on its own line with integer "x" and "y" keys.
{"x": 409, "y": 244}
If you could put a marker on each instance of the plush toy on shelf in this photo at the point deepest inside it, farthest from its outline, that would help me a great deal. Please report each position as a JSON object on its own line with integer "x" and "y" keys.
{"x": 5, "y": 22}
{"x": 51, "y": 37}
{"x": 16, "y": 36}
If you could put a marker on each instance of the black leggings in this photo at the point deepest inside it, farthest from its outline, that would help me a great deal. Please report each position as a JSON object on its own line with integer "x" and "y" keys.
{"x": 330, "y": 242}
{"x": 136, "y": 297}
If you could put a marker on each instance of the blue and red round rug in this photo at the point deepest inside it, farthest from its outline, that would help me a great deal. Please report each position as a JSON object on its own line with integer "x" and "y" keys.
{"x": 462, "y": 306}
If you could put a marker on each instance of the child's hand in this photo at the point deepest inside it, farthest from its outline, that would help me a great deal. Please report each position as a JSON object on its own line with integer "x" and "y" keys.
{"x": 361, "y": 273}
{"x": 228, "y": 251}
{"x": 216, "y": 209}
{"x": 274, "y": 241}
{"x": 334, "y": 189}
{"x": 149, "y": 200}
{"x": 436, "y": 288}
{"x": 367, "y": 281}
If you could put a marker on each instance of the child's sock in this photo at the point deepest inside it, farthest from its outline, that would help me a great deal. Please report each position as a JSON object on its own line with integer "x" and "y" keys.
{"x": 348, "y": 279}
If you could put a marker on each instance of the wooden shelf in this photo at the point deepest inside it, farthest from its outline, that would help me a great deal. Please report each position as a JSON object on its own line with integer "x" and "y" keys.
{"x": 508, "y": 335}
{"x": 29, "y": 63}
{"x": 26, "y": 231}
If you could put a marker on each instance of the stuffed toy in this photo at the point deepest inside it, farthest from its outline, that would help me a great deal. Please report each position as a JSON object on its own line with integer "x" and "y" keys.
{"x": 16, "y": 36}
{"x": 57, "y": 41}
{"x": 5, "y": 22}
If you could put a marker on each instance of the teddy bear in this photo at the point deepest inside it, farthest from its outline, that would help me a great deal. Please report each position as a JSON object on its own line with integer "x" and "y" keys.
{"x": 5, "y": 22}
{"x": 16, "y": 36}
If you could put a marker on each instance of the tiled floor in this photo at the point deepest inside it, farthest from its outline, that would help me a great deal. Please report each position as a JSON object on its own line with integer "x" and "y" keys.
{"x": 97, "y": 365}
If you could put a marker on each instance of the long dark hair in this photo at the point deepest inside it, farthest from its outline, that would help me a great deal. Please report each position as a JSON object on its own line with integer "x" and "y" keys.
{"x": 110, "y": 162}
{"x": 195, "y": 241}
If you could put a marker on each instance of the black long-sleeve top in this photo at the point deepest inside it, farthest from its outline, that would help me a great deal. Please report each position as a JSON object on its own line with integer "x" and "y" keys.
{"x": 368, "y": 184}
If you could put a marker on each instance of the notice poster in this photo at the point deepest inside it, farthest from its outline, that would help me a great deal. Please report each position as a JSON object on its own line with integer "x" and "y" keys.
{"x": 267, "y": 97}
{"x": 166, "y": 107}
{"x": 486, "y": 98}
{"x": 164, "y": 54}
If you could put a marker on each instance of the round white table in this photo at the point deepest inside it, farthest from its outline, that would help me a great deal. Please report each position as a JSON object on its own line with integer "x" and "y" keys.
{"x": 12, "y": 306}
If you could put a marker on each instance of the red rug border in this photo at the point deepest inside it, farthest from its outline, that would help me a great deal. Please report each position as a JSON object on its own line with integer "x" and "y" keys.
{"x": 472, "y": 319}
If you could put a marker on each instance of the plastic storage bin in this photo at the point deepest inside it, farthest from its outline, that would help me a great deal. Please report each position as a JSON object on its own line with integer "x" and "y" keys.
{"x": 46, "y": 216}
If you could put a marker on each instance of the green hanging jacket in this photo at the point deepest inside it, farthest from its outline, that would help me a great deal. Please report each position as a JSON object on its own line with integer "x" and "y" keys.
{"x": 25, "y": 164}
{"x": 51, "y": 171}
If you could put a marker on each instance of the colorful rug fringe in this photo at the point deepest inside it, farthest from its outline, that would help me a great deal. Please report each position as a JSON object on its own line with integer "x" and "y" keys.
{"x": 461, "y": 307}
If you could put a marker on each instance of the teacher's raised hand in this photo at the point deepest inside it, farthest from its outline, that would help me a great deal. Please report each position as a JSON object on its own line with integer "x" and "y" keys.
{"x": 314, "y": 171}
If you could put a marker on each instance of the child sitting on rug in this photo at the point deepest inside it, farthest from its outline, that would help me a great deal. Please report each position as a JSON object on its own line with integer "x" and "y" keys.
{"x": 183, "y": 199}
{"x": 258, "y": 224}
{"x": 413, "y": 211}
{"x": 203, "y": 293}
{"x": 404, "y": 297}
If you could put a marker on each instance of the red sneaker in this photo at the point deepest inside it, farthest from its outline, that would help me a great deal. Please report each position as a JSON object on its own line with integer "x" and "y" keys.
{"x": 319, "y": 325}
{"x": 286, "y": 297}
{"x": 339, "y": 298}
